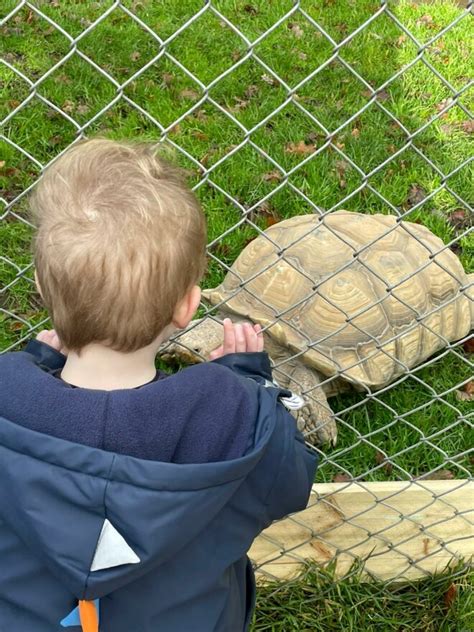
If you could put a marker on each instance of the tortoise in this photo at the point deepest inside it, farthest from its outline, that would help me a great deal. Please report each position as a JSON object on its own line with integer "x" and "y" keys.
{"x": 349, "y": 299}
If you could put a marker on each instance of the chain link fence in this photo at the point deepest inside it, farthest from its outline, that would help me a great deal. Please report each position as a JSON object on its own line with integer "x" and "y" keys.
{"x": 417, "y": 426}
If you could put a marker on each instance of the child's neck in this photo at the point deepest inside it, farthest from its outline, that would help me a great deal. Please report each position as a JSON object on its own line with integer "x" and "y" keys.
{"x": 99, "y": 367}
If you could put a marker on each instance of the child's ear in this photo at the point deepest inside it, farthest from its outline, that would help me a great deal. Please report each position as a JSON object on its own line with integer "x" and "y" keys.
{"x": 186, "y": 308}
{"x": 38, "y": 286}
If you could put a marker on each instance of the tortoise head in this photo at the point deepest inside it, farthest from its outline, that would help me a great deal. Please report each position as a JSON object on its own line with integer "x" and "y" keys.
{"x": 195, "y": 343}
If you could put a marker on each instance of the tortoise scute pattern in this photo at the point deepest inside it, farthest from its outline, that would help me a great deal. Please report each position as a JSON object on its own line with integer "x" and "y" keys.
{"x": 359, "y": 294}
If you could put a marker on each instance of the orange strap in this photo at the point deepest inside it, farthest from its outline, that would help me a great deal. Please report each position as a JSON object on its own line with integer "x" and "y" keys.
{"x": 88, "y": 616}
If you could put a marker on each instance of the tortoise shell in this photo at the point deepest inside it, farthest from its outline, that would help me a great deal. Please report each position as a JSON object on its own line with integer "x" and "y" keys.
{"x": 365, "y": 297}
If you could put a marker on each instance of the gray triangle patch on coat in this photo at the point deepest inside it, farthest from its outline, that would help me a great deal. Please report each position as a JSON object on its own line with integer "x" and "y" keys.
{"x": 112, "y": 549}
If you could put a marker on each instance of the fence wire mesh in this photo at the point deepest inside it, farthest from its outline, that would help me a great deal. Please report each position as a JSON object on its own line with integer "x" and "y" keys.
{"x": 275, "y": 94}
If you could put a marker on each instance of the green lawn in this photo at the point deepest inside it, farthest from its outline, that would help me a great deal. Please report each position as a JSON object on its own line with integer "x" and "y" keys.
{"x": 286, "y": 157}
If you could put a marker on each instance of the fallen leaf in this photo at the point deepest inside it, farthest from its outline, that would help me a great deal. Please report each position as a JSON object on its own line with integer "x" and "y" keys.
{"x": 251, "y": 91}
{"x": 176, "y": 129}
{"x": 402, "y": 39}
{"x": 31, "y": 16}
{"x": 302, "y": 56}
{"x": 443, "y": 104}
{"x": 340, "y": 145}
{"x": 135, "y": 56}
{"x": 467, "y": 393}
{"x": 199, "y": 135}
{"x": 447, "y": 128}
{"x": 269, "y": 79}
{"x": 200, "y": 115}
{"x": 240, "y": 104}
{"x": 189, "y": 93}
{"x": 272, "y": 176}
{"x": 468, "y": 346}
{"x": 13, "y": 103}
{"x": 312, "y": 137}
{"x": 439, "y": 475}
{"x": 367, "y": 93}
{"x": 16, "y": 326}
{"x": 459, "y": 218}
{"x": 55, "y": 140}
{"x": 296, "y": 29}
{"x": 266, "y": 212}
{"x": 167, "y": 78}
{"x": 450, "y": 595}
{"x": 380, "y": 459}
{"x": 355, "y": 132}
{"x": 300, "y": 148}
{"x": 235, "y": 55}
{"x": 382, "y": 95}
{"x": 341, "y": 167}
{"x": 425, "y": 20}
{"x": 341, "y": 478}
{"x": 250, "y": 9}
{"x": 416, "y": 194}
{"x": 2, "y": 164}
{"x": 68, "y": 106}
{"x": 468, "y": 126}
{"x": 82, "y": 109}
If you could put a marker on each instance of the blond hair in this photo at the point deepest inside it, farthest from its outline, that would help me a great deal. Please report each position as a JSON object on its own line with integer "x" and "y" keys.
{"x": 120, "y": 240}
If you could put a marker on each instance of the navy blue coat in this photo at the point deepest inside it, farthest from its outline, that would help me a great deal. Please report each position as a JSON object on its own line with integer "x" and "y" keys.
{"x": 188, "y": 526}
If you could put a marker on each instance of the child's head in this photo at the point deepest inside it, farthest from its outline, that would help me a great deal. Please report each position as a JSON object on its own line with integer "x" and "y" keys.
{"x": 120, "y": 241}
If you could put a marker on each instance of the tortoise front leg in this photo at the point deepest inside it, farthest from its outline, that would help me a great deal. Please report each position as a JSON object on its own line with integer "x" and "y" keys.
{"x": 316, "y": 419}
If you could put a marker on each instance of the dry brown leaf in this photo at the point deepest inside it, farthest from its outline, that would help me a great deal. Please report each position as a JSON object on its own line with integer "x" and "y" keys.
{"x": 382, "y": 95}
{"x": 341, "y": 167}
{"x": 341, "y": 478}
{"x": 68, "y": 106}
{"x": 401, "y": 40}
{"x": 444, "y": 104}
{"x": 2, "y": 164}
{"x": 302, "y": 56}
{"x": 296, "y": 29}
{"x": 251, "y": 91}
{"x": 300, "y": 148}
{"x": 459, "y": 218}
{"x": 355, "y": 132}
{"x": 135, "y": 56}
{"x": 189, "y": 93}
{"x": 269, "y": 79}
{"x": 235, "y": 55}
{"x": 13, "y": 103}
{"x": 468, "y": 126}
{"x": 467, "y": 393}
{"x": 167, "y": 78}
{"x": 380, "y": 459}
{"x": 450, "y": 595}
{"x": 425, "y": 20}
{"x": 272, "y": 176}
{"x": 240, "y": 104}
{"x": 468, "y": 346}
{"x": 439, "y": 475}
{"x": 250, "y": 9}
{"x": 416, "y": 194}
{"x": 82, "y": 109}
{"x": 199, "y": 135}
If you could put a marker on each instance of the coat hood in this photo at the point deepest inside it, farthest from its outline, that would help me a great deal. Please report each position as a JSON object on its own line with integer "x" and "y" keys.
{"x": 99, "y": 520}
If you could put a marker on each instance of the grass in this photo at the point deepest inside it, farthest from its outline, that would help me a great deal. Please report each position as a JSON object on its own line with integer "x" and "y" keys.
{"x": 402, "y": 424}
{"x": 318, "y": 603}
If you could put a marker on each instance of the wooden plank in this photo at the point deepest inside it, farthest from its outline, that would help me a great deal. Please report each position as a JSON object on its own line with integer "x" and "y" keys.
{"x": 403, "y": 529}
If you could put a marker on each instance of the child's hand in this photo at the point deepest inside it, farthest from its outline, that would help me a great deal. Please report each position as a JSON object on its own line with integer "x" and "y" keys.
{"x": 239, "y": 338}
{"x": 51, "y": 338}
